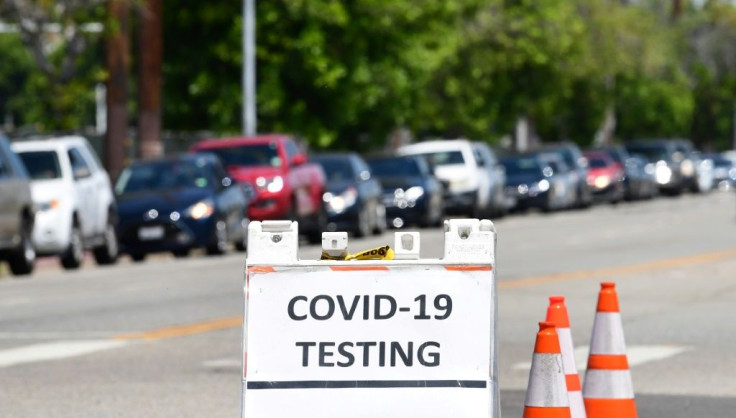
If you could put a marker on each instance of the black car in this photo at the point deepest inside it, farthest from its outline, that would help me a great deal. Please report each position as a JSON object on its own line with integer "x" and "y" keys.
{"x": 411, "y": 192}
{"x": 178, "y": 204}
{"x": 353, "y": 196}
{"x": 667, "y": 161}
{"x": 573, "y": 157}
{"x": 533, "y": 183}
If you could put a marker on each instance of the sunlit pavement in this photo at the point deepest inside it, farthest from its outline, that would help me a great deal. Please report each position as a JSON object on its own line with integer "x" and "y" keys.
{"x": 161, "y": 338}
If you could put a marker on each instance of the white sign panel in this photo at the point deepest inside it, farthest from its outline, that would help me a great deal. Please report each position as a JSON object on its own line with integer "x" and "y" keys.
{"x": 400, "y": 341}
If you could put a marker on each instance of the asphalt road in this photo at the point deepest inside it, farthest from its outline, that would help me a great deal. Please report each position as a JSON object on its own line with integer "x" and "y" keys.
{"x": 162, "y": 338}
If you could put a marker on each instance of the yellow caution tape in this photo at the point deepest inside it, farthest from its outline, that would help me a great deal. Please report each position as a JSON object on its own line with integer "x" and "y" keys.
{"x": 378, "y": 253}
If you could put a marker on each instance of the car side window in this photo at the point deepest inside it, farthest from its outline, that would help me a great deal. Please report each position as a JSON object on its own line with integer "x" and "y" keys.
{"x": 479, "y": 158}
{"x": 220, "y": 174}
{"x": 291, "y": 149}
{"x": 80, "y": 167}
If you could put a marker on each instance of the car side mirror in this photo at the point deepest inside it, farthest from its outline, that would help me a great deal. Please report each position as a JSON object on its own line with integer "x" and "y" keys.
{"x": 81, "y": 172}
{"x": 298, "y": 159}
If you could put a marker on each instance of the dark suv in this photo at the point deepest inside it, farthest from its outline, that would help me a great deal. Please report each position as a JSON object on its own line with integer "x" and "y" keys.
{"x": 573, "y": 157}
{"x": 16, "y": 212}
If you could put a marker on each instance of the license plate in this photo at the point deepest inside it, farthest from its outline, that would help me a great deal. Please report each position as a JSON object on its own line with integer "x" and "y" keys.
{"x": 150, "y": 233}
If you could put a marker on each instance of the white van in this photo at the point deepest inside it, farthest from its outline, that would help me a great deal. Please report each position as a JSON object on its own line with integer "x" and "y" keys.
{"x": 74, "y": 198}
{"x": 467, "y": 186}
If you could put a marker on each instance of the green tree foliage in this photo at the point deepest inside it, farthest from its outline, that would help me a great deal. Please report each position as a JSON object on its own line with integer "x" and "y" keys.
{"x": 343, "y": 74}
{"x": 333, "y": 71}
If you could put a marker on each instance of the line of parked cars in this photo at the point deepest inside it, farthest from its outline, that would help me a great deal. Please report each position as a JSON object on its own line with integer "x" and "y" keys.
{"x": 57, "y": 200}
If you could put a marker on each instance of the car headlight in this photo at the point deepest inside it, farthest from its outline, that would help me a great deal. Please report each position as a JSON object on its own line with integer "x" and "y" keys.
{"x": 732, "y": 173}
{"x": 201, "y": 210}
{"x": 413, "y": 194}
{"x": 338, "y": 203}
{"x": 663, "y": 173}
{"x": 541, "y": 186}
{"x": 687, "y": 168}
{"x": 273, "y": 185}
{"x": 46, "y": 206}
{"x": 602, "y": 182}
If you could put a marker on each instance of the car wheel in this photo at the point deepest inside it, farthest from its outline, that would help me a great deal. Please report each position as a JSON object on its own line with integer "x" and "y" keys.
{"x": 23, "y": 260}
{"x": 107, "y": 253}
{"x": 137, "y": 257}
{"x": 219, "y": 240}
{"x": 381, "y": 225}
{"x": 74, "y": 254}
{"x": 242, "y": 244}
{"x": 363, "y": 227}
{"x": 320, "y": 225}
{"x": 181, "y": 253}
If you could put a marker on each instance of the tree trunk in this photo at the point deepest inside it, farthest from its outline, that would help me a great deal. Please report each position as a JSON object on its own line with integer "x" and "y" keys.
{"x": 118, "y": 63}
{"x": 676, "y": 9}
{"x": 149, "y": 93}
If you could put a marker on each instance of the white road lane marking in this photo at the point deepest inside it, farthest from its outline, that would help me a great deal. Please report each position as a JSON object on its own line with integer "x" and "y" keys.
{"x": 637, "y": 355}
{"x": 54, "y": 351}
{"x": 223, "y": 364}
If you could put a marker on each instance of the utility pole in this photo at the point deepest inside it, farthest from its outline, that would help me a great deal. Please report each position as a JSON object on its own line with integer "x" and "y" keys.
{"x": 118, "y": 63}
{"x": 150, "y": 55}
{"x": 249, "y": 67}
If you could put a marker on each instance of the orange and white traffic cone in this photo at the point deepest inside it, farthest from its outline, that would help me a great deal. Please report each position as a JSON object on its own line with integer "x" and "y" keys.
{"x": 546, "y": 394}
{"x": 557, "y": 314}
{"x": 608, "y": 391}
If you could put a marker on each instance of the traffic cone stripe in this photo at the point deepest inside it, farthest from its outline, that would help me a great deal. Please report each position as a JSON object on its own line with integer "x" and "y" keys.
{"x": 608, "y": 384}
{"x": 547, "y": 382}
{"x": 546, "y": 412}
{"x": 566, "y": 346}
{"x": 577, "y": 406}
{"x": 608, "y": 362}
{"x": 614, "y": 408}
{"x": 573, "y": 383}
{"x": 610, "y": 341}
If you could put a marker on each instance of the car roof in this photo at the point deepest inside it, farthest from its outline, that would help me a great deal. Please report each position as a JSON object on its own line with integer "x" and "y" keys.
{"x": 334, "y": 156}
{"x": 436, "y": 145}
{"x": 236, "y": 141}
{"x": 49, "y": 143}
{"x": 208, "y": 157}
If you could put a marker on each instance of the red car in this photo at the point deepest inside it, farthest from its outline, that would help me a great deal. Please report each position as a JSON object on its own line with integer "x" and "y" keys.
{"x": 287, "y": 185}
{"x": 605, "y": 177}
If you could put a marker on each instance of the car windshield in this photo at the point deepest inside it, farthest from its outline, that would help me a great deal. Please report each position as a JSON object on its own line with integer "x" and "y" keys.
{"x": 164, "y": 175}
{"x": 522, "y": 166}
{"x": 720, "y": 161}
{"x": 249, "y": 155}
{"x": 394, "y": 167}
{"x": 41, "y": 165}
{"x": 336, "y": 169}
{"x": 652, "y": 153}
{"x": 568, "y": 156}
{"x": 595, "y": 162}
{"x": 436, "y": 159}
